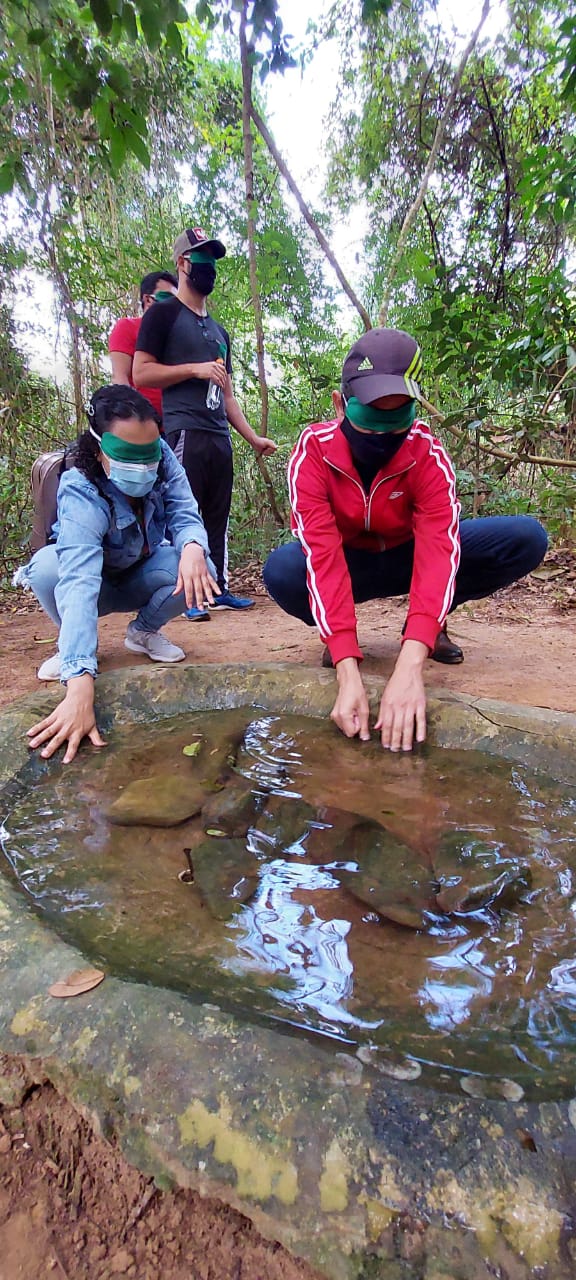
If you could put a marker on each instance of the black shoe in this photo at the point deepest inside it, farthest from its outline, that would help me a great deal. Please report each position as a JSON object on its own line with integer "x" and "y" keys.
{"x": 445, "y": 650}
{"x": 326, "y": 659}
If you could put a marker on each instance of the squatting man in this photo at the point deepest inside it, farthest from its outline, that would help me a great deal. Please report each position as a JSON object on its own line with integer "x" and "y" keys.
{"x": 375, "y": 514}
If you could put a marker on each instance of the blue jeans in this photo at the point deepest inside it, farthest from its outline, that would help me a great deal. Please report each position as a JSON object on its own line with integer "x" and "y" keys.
{"x": 147, "y": 589}
{"x": 496, "y": 551}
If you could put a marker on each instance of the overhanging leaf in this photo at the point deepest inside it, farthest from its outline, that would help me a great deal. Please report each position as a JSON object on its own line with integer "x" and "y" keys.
{"x": 137, "y": 147}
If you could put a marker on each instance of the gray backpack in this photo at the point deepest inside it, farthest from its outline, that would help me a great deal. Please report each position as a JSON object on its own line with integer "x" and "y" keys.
{"x": 45, "y": 478}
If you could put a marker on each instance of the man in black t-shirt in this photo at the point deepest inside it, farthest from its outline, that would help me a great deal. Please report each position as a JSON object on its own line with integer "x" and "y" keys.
{"x": 182, "y": 350}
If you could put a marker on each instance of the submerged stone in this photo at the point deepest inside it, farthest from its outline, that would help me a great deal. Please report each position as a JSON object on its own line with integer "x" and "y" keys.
{"x": 163, "y": 800}
{"x": 218, "y": 754}
{"x": 225, "y": 874}
{"x": 286, "y": 822}
{"x": 473, "y": 874}
{"x": 390, "y": 879}
{"x": 233, "y": 809}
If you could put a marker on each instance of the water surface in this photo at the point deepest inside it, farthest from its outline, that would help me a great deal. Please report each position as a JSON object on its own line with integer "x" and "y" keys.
{"x": 493, "y": 992}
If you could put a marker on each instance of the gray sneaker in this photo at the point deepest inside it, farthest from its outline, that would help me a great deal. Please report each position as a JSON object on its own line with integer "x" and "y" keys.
{"x": 50, "y": 669}
{"x": 153, "y": 644}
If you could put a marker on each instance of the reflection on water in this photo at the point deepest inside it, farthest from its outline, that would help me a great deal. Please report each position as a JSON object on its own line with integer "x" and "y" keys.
{"x": 302, "y": 941}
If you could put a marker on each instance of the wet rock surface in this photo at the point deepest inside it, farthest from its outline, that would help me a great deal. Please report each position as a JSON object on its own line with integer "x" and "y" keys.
{"x": 363, "y": 1174}
{"x": 390, "y": 879}
{"x": 225, "y": 875}
{"x": 233, "y": 809}
{"x": 160, "y": 801}
{"x": 474, "y": 874}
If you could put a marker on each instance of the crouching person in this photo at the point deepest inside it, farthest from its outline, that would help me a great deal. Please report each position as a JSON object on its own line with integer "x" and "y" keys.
{"x": 124, "y": 494}
{"x": 375, "y": 512}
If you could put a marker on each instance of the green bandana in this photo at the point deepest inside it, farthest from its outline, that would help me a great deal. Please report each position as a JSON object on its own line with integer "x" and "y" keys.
{"x": 201, "y": 255}
{"x": 363, "y": 415}
{"x": 122, "y": 451}
{"x": 163, "y": 295}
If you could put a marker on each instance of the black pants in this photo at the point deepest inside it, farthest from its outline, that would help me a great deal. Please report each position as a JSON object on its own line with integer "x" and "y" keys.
{"x": 207, "y": 460}
{"x": 496, "y": 551}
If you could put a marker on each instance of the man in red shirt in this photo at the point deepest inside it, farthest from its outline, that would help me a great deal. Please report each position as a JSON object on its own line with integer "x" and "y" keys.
{"x": 157, "y": 286}
{"x": 375, "y": 512}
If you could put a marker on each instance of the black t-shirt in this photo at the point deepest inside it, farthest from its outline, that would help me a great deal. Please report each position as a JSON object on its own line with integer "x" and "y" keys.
{"x": 174, "y": 334}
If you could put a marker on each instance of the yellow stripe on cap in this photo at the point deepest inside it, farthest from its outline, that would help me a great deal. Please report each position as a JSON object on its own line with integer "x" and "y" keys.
{"x": 412, "y": 388}
{"x": 415, "y": 366}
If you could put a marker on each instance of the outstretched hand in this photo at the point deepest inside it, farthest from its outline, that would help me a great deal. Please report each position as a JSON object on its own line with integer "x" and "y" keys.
{"x": 403, "y": 705}
{"x": 70, "y": 722}
{"x": 194, "y": 577}
{"x": 350, "y": 711}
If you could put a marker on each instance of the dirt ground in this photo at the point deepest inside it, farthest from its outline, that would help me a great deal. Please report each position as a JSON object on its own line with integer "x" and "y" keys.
{"x": 518, "y": 645}
{"x": 72, "y": 1209}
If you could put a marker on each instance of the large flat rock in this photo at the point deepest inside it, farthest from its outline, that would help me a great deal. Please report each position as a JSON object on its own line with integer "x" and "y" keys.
{"x": 366, "y": 1176}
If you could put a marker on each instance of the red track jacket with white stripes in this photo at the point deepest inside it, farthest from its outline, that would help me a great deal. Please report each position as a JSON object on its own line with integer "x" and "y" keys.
{"x": 412, "y": 497}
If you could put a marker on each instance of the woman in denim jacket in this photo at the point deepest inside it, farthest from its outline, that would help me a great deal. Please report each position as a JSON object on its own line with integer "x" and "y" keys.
{"x": 125, "y": 493}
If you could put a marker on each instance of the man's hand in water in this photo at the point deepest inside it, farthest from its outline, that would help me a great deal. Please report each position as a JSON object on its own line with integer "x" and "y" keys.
{"x": 403, "y": 702}
{"x": 70, "y": 722}
{"x": 350, "y": 711}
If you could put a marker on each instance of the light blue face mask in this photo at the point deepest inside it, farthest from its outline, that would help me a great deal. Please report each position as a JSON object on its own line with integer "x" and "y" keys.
{"x": 135, "y": 479}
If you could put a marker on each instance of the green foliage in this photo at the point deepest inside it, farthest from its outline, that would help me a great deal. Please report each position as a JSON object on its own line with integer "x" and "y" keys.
{"x": 263, "y": 25}
{"x": 119, "y": 126}
{"x": 567, "y": 51}
{"x": 31, "y": 422}
{"x": 486, "y": 282}
{"x": 80, "y": 55}
{"x": 373, "y": 9}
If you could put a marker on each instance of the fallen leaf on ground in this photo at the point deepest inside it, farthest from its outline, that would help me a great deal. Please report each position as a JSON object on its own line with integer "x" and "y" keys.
{"x": 192, "y": 749}
{"x": 547, "y": 572}
{"x": 77, "y": 983}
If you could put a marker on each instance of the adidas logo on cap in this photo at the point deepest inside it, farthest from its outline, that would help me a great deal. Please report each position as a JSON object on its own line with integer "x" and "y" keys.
{"x": 383, "y": 362}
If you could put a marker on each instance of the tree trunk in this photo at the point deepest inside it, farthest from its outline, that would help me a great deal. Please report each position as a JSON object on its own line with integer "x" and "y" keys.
{"x": 309, "y": 217}
{"x": 251, "y": 233}
{"x": 250, "y": 213}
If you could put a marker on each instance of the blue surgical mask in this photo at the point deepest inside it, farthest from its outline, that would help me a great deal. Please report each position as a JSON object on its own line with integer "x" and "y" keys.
{"x": 135, "y": 479}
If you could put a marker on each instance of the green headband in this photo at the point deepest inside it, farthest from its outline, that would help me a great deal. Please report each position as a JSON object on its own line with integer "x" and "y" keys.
{"x": 201, "y": 255}
{"x": 363, "y": 415}
{"x": 120, "y": 450}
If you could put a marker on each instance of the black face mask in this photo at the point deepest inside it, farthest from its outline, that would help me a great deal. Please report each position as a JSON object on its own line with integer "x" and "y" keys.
{"x": 202, "y": 277}
{"x": 375, "y": 449}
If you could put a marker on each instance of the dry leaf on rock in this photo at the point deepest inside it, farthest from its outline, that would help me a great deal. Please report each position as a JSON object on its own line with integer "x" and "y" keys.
{"x": 76, "y": 983}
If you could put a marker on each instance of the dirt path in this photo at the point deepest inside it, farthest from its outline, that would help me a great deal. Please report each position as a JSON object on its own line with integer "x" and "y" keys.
{"x": 71, "y": 1208}
{"x": 518, "y": 647}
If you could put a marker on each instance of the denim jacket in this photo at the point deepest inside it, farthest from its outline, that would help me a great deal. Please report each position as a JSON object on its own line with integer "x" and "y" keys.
{"x": 95, "y": 537}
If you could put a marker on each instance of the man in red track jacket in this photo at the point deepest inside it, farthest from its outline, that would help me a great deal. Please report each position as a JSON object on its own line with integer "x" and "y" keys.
{"x": 375, "y": 512}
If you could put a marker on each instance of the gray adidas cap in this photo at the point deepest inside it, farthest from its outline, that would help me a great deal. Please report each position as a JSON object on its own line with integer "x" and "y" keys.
{"x": 384, "y": 362}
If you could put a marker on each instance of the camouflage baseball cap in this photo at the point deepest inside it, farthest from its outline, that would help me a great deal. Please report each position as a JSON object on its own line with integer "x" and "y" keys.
{"x": 384, "y": 362}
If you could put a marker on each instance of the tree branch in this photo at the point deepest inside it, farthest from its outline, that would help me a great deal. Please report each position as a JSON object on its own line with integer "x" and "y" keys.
{"x": 563, "y": 463}
{"x": 309, "y": 217}
{"x": 416, "y": 205}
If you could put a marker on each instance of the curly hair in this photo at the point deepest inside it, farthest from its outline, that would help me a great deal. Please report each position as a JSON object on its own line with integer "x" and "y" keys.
{"x": 107, "y": 405}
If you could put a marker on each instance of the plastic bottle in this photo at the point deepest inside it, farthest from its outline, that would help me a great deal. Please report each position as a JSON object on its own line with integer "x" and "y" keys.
{"x": 214, "y": 392}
